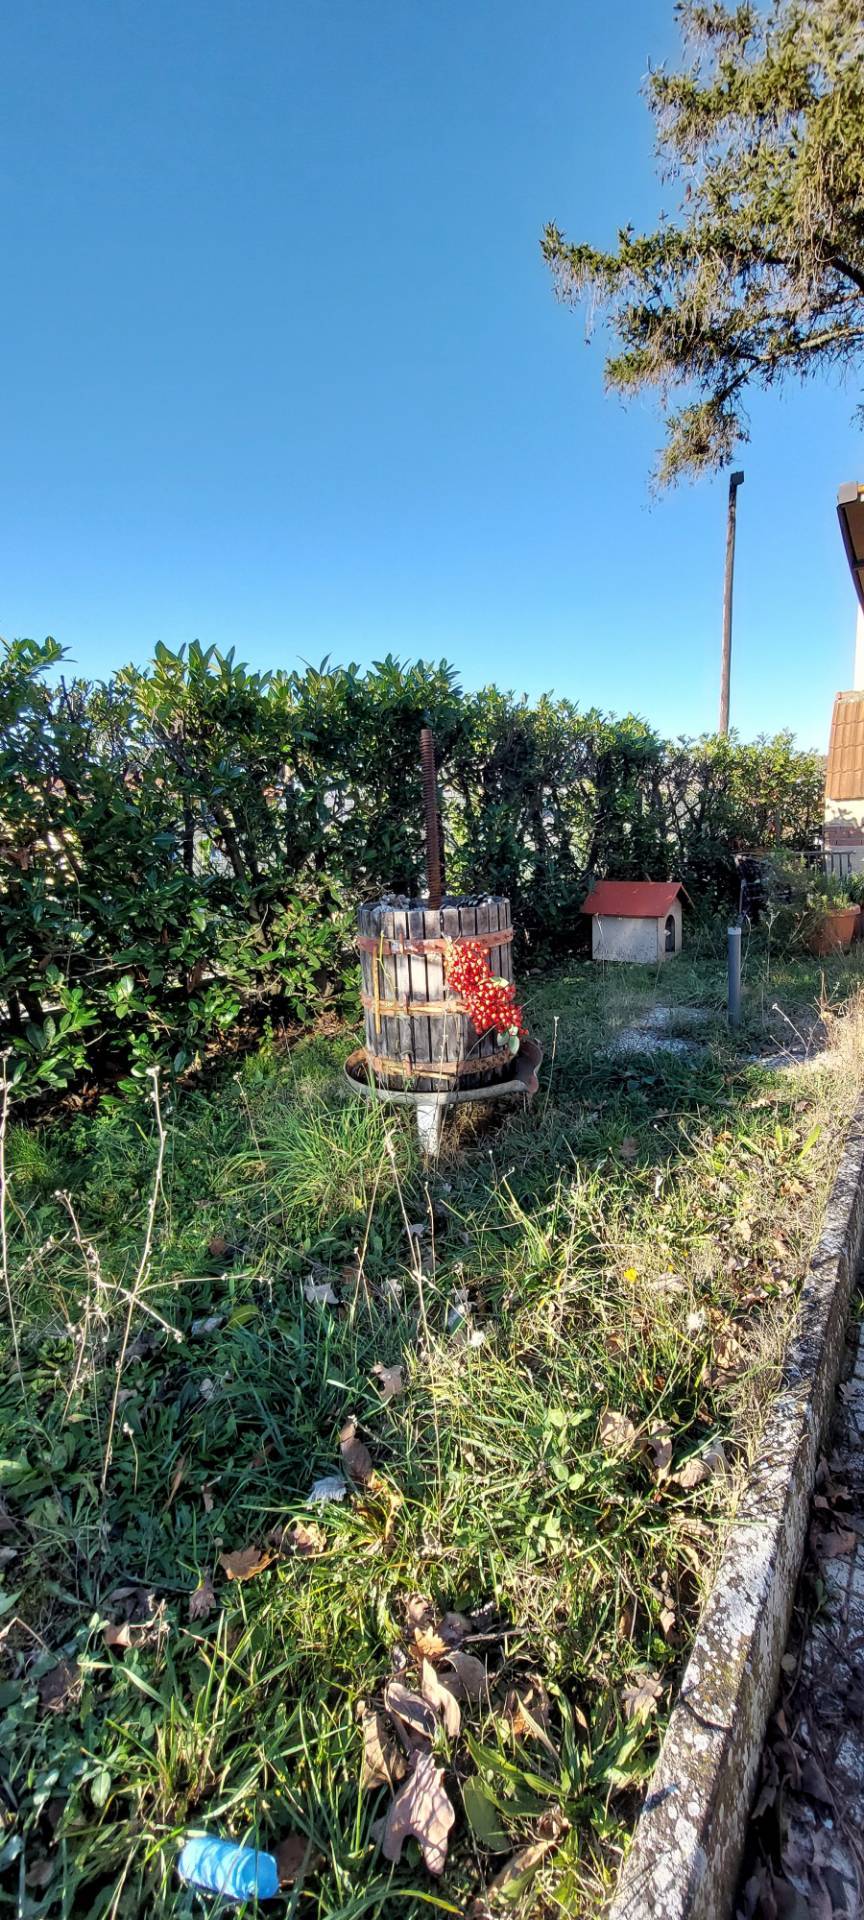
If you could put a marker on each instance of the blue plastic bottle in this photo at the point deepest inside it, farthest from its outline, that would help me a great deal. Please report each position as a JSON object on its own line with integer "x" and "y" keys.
{"x": 220, "y": 1866}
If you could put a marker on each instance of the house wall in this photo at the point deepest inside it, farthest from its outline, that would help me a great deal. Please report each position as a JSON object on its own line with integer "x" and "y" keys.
{"x": 624, "y": 937}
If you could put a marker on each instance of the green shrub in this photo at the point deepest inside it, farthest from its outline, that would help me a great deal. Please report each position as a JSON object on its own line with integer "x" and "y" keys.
{"x": 183, "y": 848}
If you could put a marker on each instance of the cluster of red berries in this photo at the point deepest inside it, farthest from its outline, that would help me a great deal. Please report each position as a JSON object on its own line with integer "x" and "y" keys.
{"x": 490, "y": 1001}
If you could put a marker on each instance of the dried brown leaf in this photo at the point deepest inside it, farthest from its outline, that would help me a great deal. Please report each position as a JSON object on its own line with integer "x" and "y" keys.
{"x": 356, "y": 1458}
{"x": 207, "y": 1496}
{"x": 177, "y": 1481}
{"x": 519, "y": 1868}
{"x": 244, "y": 1564}
{"x": 58, "y": 1686}
{"x": 410, "y": 1710}
{"x": 660, "y": 1443}
{"x": 668, "y": 1283}
{"x": 529, "y": 1711}
{"x": 629, "y": 1148}
{"x": 699, "y": 1468}
{"x": 814, "y": 1783}
{"x": 383, "y": 1760}
{"x": 627, "y": 1619}
{"x": 307, "y": 1541}
{"x": 428, "y": 1644}
{"x": 390, "y": 1381}
{"x": 470, "y": 1679}
{"x": 290, "y": 1856}
{"x": 421, "y": 1810}
{"x": 616, "y": 1433}
{"x": 419, "y": 1612}
{"x": 640, "y": 1700}
{"x": 118, "y": 1635}
{"x": 203, "y": 1600}
{"x": 454, "y": 1628}
{"x": 440, "y": 1697}
{"x": 833, "y": 1546}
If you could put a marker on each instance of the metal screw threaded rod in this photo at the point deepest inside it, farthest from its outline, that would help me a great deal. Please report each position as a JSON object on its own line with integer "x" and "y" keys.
{"x": 434, "y": 857}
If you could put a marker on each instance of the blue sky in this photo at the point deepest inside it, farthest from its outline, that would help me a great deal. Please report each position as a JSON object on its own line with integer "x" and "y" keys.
{"x": 283, "y": 368}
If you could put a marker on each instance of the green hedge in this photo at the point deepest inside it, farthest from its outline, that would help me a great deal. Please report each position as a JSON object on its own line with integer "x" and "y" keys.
{"x": 187, "y": 843}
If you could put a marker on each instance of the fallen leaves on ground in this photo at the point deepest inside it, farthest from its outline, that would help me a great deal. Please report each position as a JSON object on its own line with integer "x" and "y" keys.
{"x": 143, "y": 1620}
{"x": 627, "y": 1619}
{"x": 668, "y": 1283}
{"x": 660, "y": 1445}
{"x": 616, "y": 1433}
{"x": 390, "y": 1381}
{"x": 730, "y": 1357}
{"x": 59, "y": 1685}
{"x": 384, "y": 1763}
{"x": 176, "y": 1481}
{"x": 699, "y": 1468}
{"x": 835, "y": 1545}
{"x": 470, "y": 1679}
{"x": 203, "y": 1600}
{"x": 244, "y": 1564}
{"x": 421, "y": 1811}
{"x": 306, "y": 1541}
{"x": 432, "y": 1638}
{"x": 398, "y": 1734}
{"x": 410, "y": 1710}
{"x": 516, "y": 1873}
{"x": 528, "y": 1709}
{"x": 290, "y": 1856}
{"x": 640, "y": 1700}
{"x": 356, "y": 1458}
{"x": 442, "y": 1699}
{"x": 629, "y": 1148}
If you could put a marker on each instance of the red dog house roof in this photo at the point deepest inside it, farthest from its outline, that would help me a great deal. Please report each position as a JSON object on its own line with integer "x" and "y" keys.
{"x": 633, "y": 899}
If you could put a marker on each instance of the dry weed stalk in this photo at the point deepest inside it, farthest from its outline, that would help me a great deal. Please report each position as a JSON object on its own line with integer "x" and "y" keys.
{"x": 133, "y": 1299}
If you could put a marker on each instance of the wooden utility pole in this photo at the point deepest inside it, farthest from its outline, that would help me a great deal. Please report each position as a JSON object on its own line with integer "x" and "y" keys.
{"x": 735, "y": 481}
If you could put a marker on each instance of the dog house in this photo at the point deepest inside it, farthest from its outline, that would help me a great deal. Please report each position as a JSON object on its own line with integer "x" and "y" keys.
{"x": 636, "y": 920}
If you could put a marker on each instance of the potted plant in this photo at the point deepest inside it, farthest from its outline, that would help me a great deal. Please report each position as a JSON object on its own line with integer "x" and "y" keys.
{"x": 832, "y": 915}
{"x": 854, "y": 884}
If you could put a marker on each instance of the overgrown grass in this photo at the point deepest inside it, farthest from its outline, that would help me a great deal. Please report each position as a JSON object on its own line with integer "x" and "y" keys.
{"x": 631, "y": 1245}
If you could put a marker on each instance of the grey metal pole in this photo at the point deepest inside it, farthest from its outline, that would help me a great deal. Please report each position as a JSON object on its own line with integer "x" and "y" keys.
{"x": 733, "y": 948}
{"x": 736, "y": 480}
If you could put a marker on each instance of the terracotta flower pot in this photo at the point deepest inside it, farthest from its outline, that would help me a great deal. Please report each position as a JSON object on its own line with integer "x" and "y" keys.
{"x": 834, "y": 930}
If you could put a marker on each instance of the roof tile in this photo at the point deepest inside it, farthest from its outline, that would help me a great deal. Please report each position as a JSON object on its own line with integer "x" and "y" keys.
{"x": 632, "y": 899}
